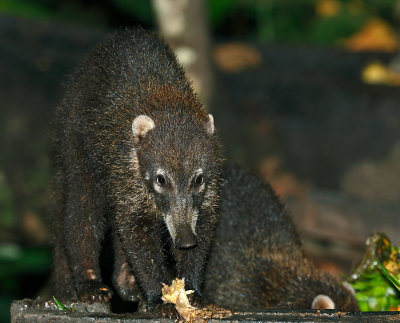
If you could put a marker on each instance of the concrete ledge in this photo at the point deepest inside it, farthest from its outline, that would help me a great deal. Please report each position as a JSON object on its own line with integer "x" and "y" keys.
{"x": 23, "y": 312}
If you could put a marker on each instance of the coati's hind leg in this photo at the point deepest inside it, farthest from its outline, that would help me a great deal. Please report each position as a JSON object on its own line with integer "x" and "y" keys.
{"x": 83, "y": 230}
{"x": 123, "y": 280}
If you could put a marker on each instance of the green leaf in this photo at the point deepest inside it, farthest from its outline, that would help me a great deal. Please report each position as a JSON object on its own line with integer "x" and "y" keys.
{"x": 390, "y": 277}
{"x": 60, "y": 305}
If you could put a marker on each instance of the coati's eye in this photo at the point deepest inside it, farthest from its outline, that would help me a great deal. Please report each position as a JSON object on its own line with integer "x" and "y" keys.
{"x": 161, "y": 180}
{"x": 199, "y": 180}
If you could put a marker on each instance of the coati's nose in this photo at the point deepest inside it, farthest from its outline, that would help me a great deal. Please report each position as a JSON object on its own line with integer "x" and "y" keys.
{"x": 185, "y": 240}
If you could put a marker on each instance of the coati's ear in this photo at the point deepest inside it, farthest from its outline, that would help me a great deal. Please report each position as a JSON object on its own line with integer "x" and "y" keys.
{"x": 210, "y": 124}
{"x": 141, "y": 125}
{"x": 322, "y": 302}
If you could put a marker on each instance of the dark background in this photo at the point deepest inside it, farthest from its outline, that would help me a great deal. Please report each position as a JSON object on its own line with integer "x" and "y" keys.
{"x": 288, "y": 98}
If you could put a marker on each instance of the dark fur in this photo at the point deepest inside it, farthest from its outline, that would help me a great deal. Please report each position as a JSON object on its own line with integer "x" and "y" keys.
{"x": 257, "y": 261}
{"x": 99, "y": 182}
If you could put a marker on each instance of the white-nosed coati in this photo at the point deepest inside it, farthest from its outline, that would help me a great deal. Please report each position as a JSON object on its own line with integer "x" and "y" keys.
{"x": 257, "y": 261}
{"x": 137, "y": 152}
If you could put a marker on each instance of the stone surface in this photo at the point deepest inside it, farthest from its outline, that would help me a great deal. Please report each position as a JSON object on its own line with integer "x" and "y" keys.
{"x": 22, "y": 311}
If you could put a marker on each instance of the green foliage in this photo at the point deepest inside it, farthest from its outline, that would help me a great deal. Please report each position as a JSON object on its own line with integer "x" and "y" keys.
{"x": 390, "y": 277}
{"x": 375, "y": 293}
{"x": 26, "y": 8}
{"x": 218, "y": 10}
{"x": 376, "y": 288}
{"x": 264, "y": 20}
{"x": 284, "y": 20}
{"x": 328, "y": 30}
{"x": 46, "y": 10}
{"x": 298, "y": 21}
{"x": 61, "y": 306}
{"x": 140, "y": 9}
{"x": 382, "y": 8}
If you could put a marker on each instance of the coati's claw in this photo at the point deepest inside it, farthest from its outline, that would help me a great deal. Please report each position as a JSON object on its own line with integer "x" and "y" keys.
{"x": 94, "y": 291}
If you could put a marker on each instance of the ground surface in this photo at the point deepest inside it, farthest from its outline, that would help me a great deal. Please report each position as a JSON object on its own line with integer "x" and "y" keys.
{"x": 21, "y": 312}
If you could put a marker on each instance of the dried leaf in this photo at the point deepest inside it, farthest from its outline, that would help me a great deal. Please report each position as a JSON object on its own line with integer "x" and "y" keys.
{"x": 176, "y": 294}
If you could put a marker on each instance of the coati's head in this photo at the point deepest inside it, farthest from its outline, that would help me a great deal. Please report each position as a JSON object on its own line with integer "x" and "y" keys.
{"x": 179, "y": 161}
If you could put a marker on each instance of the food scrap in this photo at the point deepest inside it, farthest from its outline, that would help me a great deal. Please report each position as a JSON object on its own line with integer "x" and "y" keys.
{"x": 176, "y": 294}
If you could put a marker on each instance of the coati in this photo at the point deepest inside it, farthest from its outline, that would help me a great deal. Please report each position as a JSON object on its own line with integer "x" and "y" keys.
{"x": 137, "y": 152}
{"x": 257, "y": 260}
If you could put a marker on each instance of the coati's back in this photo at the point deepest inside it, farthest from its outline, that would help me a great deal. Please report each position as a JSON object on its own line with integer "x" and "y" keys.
{"x": 257, "y": 261}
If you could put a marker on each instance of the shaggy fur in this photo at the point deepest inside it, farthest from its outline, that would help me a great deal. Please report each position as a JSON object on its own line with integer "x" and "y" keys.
{"x": 106, "y": 174}
{"x": 257, "y": 261}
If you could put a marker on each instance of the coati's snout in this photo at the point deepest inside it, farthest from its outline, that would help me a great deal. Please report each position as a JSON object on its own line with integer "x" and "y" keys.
{"x": 179, "y": 198}
{"x": 185, "y": 239}
{"x": 181, "y": 225}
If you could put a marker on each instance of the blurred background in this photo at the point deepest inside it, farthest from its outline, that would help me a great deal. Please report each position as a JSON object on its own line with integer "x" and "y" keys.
{"x": 304, "y": 93}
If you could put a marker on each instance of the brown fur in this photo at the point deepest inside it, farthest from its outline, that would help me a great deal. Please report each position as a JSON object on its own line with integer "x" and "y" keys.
{"x": 257, "y": 260}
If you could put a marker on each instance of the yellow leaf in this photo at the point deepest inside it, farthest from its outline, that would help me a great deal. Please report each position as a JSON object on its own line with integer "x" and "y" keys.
{"x": 377, "y": 73}
{"x": 375, "y": 35}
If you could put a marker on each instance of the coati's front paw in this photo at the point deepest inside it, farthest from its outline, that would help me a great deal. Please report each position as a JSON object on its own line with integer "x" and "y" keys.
{"x": 129, "y": 293}
{"x": 93, "y": 291}
{"x": 125, "y": 284}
